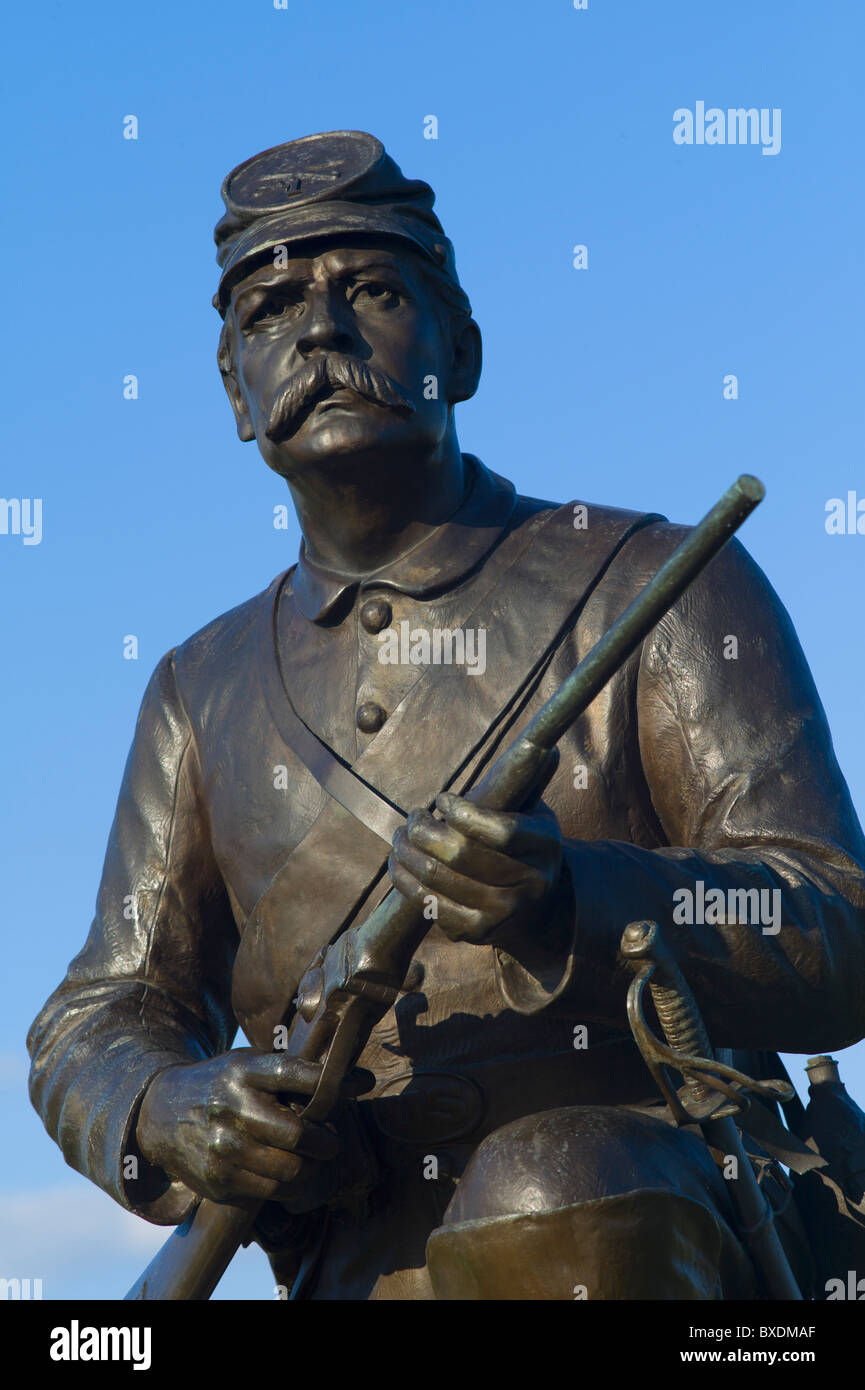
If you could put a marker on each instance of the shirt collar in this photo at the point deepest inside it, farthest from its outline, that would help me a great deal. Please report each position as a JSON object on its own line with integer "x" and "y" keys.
{"x": 437, "y": 563}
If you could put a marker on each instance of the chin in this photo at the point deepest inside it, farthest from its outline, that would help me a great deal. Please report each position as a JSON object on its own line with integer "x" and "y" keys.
{"x": 338, "y": 438}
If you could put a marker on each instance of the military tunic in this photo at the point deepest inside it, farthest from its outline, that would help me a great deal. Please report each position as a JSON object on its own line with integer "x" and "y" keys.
{"x": 690, "y": 769}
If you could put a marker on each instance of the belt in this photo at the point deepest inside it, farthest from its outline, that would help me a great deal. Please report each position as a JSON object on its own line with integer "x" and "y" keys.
{"x": 459, "y": 1106}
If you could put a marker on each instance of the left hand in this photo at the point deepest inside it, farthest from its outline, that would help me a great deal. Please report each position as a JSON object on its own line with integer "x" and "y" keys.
{"x": 492, "y": 873}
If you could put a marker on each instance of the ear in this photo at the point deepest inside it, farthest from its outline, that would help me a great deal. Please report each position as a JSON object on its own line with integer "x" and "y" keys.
{"x": 245, "y": 429}
{"x": 467, "y": 362}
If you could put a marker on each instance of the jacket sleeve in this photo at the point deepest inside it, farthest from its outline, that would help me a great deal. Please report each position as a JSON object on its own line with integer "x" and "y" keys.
{"x": 737, "y": 759}
{"x": 151, "y": 986}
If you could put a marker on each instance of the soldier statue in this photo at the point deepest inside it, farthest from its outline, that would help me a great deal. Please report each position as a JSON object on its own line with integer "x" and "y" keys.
{"x": 311, "y": 749}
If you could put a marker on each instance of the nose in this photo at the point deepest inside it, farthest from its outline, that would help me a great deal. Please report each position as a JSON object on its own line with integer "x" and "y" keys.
{"x": 324, "y": 325}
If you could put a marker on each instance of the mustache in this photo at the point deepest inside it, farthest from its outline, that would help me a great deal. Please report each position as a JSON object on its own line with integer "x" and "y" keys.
{"x": 318, "y": 378}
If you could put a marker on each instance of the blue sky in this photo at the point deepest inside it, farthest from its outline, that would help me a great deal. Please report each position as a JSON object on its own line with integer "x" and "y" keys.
{"x": 555, "y": 128}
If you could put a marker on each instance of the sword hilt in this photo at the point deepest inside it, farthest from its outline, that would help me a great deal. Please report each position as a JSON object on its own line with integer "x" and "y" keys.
{"x": 674, "y": 1003}
{"x": 713, "y": 1089}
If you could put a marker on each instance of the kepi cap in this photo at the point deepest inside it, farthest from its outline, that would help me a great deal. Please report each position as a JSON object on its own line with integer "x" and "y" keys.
{"x": 340, "y": 181}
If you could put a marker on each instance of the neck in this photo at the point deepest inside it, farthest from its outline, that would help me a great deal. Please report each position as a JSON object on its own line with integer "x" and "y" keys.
{"x": 357, "y": 518}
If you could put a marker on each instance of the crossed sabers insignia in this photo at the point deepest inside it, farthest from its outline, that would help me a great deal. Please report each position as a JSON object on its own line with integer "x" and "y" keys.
{"x": 292, "y": 183}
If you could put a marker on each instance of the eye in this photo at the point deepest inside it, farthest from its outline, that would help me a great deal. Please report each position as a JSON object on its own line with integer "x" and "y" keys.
{"x": 377, "y": 293}
{"x": 274, "y": 308}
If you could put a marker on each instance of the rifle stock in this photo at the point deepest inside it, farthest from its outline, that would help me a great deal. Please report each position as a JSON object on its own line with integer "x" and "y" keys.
{"x": 352, "y": 984}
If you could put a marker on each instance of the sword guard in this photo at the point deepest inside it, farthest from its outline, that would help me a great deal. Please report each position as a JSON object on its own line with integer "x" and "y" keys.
{"x": 712, "y": 1090}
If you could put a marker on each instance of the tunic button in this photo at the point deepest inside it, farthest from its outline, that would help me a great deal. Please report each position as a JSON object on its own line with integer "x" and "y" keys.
{"x": 375, "y": 614}
{"x": 370, "y": 717}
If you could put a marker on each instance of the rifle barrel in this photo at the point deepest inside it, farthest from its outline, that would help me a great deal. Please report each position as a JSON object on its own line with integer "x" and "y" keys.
{"x": 579, "y": 689}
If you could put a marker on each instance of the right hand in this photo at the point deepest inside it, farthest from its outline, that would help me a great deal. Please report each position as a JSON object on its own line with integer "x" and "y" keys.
{"x": 219, "y": 1128}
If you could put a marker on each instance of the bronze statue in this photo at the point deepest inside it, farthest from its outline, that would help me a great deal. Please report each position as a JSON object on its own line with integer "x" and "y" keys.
{"x": 502, "y": 1137}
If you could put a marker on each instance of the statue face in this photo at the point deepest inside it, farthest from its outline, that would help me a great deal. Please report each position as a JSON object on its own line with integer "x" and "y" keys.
{"x": 332, "y": 360}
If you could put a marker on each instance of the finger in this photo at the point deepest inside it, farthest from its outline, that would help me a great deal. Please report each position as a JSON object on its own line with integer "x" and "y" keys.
{"x": 458, "y": 852}
{"x": 279, "y": 1071}
{"x": 279, "y": 1167}
{"x": 509, "y": 832}
{"x": 308, "y": 1185}
{"x": 245, "y": 1186}
{"x": 283, "y": 1072}
{"x": 443, "y": 881}
{"x": 268, "y": 1122}
{"x": 460, "y": 923}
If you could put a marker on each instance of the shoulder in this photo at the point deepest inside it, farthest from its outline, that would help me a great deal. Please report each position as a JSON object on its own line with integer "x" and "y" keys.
{"x": 732, "y": 585}
{"x": 218, "y": 638}
{"x": 593, "y": 528}
{"x": 594, "y": 511}
{"x": 730, "y": 599}
{"x": 220, "y": 655}
{"x": 626, "y": 549}
{"x": 731, "y": 578}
